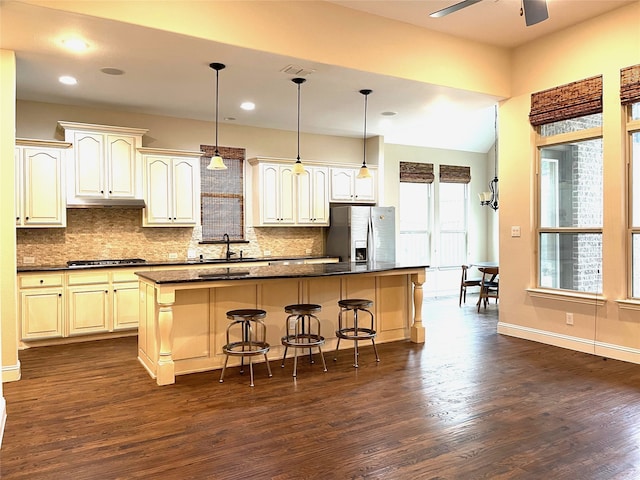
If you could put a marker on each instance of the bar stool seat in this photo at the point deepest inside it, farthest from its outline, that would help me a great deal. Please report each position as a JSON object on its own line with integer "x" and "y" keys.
{"x": 355, "y": 332}
{"x": 249, "y": 338}
{"x": 302, "y": 331}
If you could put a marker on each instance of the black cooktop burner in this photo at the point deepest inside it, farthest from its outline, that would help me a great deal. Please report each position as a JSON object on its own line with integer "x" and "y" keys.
{"x": 88, "y": 263}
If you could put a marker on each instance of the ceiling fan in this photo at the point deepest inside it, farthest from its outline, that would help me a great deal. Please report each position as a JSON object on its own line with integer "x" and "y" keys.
{"x": 535, "y": 11}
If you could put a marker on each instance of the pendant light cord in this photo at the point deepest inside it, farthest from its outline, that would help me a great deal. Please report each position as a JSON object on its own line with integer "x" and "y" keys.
{"x": 217, "y": 84}
{"x": 364, "y": 132}
{"x": 298, "y": 157}
{"x": 495, "y": 146}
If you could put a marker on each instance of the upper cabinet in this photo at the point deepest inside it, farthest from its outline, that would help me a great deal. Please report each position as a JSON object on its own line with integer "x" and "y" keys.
{"x": 106, "y": 162}
{"x": 171, "y": 187}
{"x": 346, "y": 187}
{"x": 313, "y": 197}
{"x": 274, "y": 186}
{"x": 40, "y": 193}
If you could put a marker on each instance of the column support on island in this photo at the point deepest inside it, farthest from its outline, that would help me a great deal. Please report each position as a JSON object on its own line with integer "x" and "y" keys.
{"x": 417, "y": 328}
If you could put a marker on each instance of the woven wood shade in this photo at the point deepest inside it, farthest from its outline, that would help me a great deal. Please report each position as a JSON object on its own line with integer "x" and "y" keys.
{"x": 221, "y": 195}
{"x": 630, "y": 85}
{"x": 572, "y": 100}
{"x": 412, "y": 172}
{"x": 455, "y": 174}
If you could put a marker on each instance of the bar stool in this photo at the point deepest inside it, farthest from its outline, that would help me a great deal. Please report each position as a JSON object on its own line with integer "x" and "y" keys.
{"x": 303, "y": 331}
{"x": 356, "y": 332}
{"x": 246, "y": 325}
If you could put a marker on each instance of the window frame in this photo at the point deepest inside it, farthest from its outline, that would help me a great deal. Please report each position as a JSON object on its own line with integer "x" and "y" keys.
{"x": 631, "y": 127}
{"x": 542, "y": 142}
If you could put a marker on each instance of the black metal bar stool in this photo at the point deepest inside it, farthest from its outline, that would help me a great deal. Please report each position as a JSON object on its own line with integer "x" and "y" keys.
{"x": 303, "y": 331}
{"x": 249, "y": 334}
{"x": 355, "y": 332}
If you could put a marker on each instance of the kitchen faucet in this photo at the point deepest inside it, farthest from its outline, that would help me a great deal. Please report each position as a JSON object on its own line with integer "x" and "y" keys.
{"x": 225, "y": 237}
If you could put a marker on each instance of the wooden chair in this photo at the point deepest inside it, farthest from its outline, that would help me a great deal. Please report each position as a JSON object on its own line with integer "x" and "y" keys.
{"x": 489, "y": 287}
{"x": 466, "y": 282}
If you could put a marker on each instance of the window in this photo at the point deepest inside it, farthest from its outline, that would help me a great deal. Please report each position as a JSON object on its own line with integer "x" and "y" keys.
{"x": 630, "y": 99}
{"x": 570, "y": 214}
{"x": 415, "y": 212}
{"x": 221, "y": 197}
{"x": 453, "y": 203}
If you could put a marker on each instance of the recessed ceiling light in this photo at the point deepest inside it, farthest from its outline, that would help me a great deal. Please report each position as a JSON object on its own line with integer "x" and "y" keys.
{"x": 248, "y": 106}
{"x": 75, "y": 44}
{"x": 388, "y": 114}
{"x": 112, "y": 71}
{"x": 67, "y": 80}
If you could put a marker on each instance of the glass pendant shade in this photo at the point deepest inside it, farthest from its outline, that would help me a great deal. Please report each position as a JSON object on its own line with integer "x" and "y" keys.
{"x": 364, "y": 171}
{"x": 217, "y": 163}
{"x": 298, "y": 168}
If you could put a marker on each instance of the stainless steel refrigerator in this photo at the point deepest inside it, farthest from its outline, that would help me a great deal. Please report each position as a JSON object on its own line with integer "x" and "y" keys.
{"x": 362, "y": 234}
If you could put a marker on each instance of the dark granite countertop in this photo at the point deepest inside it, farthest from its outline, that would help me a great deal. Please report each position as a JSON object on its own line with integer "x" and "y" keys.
{"x": 269, "y": 272}
{"x": 204, "y": 263}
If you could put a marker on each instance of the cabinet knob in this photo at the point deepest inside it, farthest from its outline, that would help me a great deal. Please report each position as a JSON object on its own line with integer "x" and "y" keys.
{"x": 17, "y": 218}
{"x": 59, "y": 294}
{"x": 41, "y": 281}
{"x": 26, "y": 218}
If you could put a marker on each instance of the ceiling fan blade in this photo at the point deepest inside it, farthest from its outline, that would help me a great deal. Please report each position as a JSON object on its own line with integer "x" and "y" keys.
{"x": 453, "y": 8}
{"x": 535, "y": 11}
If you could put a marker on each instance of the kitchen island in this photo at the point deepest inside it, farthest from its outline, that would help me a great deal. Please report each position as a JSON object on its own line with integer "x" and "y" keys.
{"x": 183, "y": 312}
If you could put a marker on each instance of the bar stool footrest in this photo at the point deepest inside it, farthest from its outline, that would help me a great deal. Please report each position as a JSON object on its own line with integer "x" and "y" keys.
{"x": 362, "y": 333}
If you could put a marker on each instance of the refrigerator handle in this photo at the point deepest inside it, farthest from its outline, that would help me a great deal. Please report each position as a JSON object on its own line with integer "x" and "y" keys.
{"x": 371, "y": 248}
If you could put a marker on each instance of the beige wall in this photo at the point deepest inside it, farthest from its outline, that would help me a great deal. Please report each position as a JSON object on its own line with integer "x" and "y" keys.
{"x": 600, "y": 46}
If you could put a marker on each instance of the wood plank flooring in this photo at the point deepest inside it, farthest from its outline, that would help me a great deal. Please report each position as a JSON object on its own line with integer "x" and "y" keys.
{"x": 468, "y": 404}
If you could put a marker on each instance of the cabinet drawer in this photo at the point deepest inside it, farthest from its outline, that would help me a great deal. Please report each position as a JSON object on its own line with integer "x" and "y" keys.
{"x": 47, "y": 280}
{"x": 88, "y": 278}
{"x": 126, "y": 275}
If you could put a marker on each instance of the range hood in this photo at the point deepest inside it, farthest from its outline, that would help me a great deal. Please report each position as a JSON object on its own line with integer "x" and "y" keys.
{"x": 108, "y": 203}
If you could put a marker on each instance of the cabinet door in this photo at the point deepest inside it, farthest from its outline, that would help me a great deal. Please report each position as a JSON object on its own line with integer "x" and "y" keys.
{"x": 286, "y": 195}
{"x": 342, "y": 184}
{"x": 185, "y": 191}
{"x": 158, "y": 191}
{"x": 125, "y": 306}
{"x": 313, "y": 197}
{"x": 88, "y": 151}
{"x": 88, "y": 309}
{"x": 269, "y": 199}
{"x": 43, "y": 200}
{"x": 121, "y": 166}
{"x": 19, "y": 176}
{"x": 41, "y": 313}
{"x": 365, "y": 188}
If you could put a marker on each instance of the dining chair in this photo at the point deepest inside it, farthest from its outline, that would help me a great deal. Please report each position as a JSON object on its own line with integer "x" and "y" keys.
{"x": 489, "y": 287}
{"x": 466, "y": 282}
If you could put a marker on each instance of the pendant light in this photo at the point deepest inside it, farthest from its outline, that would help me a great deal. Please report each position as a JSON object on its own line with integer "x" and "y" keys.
{"x": 364, "y": 171}
{"x": 298, "y": 168}
{"x": 216, "y": 162}
{"x": 490, "y": 198}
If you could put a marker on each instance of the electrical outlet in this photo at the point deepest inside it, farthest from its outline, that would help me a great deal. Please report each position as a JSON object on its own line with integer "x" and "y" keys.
{"x": 191, "y": 253}
{"x": 173, "y": 256}
{"x": 515, "y": 231}
{"x": 308, "y": 251}
{"x": 569, "y": 318}
{"x": 28, "y": 260}
{"x": 267, "y": 253}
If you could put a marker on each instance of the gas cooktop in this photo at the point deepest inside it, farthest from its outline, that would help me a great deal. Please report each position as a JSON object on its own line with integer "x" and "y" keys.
{"x": 90, "y": 263}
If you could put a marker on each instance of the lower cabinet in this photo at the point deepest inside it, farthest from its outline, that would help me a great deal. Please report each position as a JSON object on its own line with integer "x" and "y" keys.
{"x": 95, "y": 301}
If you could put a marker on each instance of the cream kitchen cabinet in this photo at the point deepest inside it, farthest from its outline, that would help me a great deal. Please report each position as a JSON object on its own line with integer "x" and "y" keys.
{"x": 88, "y": 302}
{"x": 40, "y": 194}
{"x": 274, "y": 186}
{"x": 171, "y": 187}
{"x": 124, "y": 284}
{"x": 106, "y": 162}
{"x": 346, "y": 187}
{"x": 313, "y": 197}
{"x": 41, "y": 305}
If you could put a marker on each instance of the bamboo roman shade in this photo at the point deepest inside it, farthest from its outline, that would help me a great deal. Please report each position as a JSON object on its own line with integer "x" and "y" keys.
{"x": 221, "y": 195}
{"x": 455, "y": 174}
{"x": 630, "y": 85}
{"x": 572, "y": 100}
{"x": 413, "y": 172}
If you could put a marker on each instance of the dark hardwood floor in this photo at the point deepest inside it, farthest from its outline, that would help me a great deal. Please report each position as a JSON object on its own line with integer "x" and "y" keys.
{"x": 468, "y": 404}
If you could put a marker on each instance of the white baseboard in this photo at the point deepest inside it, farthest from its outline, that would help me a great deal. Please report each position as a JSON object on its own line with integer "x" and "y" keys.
{"x": 11, "y": 373}
{"x": 608, "y": 350}
{"x": 3, "y": 418}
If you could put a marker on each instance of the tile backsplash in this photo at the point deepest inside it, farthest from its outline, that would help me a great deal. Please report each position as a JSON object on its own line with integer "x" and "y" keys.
{"x": 103, "y": 233}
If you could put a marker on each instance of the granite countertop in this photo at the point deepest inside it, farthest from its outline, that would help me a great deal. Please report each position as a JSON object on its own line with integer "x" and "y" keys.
{"x": 204, "y": 263}
{"x": 269, "y": 272}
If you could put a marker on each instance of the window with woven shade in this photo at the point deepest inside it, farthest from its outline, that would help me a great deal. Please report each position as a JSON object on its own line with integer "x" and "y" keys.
{"x": 568, "y": 122}
{"x": 415, "y": 212}
{"x": 222, "y": 197}
{"x": 453, "y": 207}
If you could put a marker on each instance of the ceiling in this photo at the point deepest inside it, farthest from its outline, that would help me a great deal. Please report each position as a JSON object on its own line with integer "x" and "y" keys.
{"x": 168, "y": 74}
